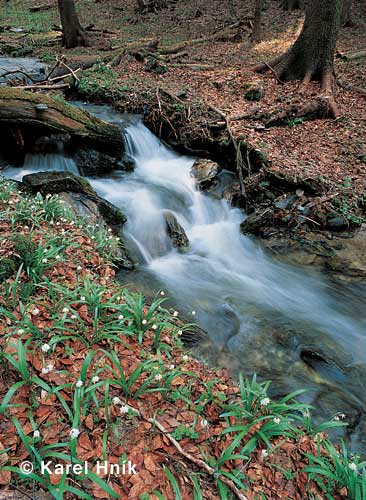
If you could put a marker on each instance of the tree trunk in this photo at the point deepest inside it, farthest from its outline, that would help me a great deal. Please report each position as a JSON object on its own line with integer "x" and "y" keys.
{"x": 346, "y": 17}
{"x": 312, "y": 55}
{"x": 73, "y": 33}
{"x": 257, "y": 23}
{"x": 290, "y": 4}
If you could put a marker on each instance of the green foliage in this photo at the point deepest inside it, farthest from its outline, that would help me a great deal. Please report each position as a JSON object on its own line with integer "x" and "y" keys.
{"x": 100, "y": 82}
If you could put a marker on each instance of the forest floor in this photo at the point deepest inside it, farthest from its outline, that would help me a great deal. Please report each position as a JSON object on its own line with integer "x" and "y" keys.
{"x": 330, "y": 154}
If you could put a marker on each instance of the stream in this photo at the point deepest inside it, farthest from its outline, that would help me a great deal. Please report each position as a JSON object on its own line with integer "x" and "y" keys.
{"x": 288, "y": 324}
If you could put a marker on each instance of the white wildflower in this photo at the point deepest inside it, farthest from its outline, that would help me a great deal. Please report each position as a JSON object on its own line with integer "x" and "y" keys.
{"x": 193, "y": 313}
{"x": 162, "y": 293}
{"x": 45, "y": 347}
{"x": 36, "y": 434}
{"x": 277, "y": 420}
{"x": 79, "y": 383}
{"x": 20, "y": 331}
{"x": 65, "y": 310}
{"x": 82, "y": 298}
{"x": 79, "y": 268}
{"x": 175, "y": 314}
{"x": 95, "y": 379}
{"x": 144, "y": 322}
{"x": 265, "y": 401}
{"x": 116, "y": 401}
{"x": 44, "y": 261}
{"x": 36, "y": 311}
{"x": 204, "y": 423}
{"x": 73, "y": 316}
{"x": 180, "y": 332}
{"x": 58, "y": 257}
{"x": 158, "y": 377}
{"x": 154, "y": 327}
{"x": 264, "y": 453}
{"x": 185, "y": 357}
{"x": 121, "y": 317}
{"x": 352, "y": 466}
{"x": 171, "y": 367}
{"x": 74, "y": 433}
{"x": 124, "y": 408}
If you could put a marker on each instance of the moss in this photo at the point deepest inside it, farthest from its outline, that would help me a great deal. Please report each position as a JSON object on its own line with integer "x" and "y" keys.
{"x": 25, "y": 249}
{"x": 8, "y": 266}
{"x": 88, "y": 121}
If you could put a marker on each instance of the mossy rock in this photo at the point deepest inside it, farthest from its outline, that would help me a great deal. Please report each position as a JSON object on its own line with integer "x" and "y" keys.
{"x": 57, "y": 182}
{"x": 8, "y": 267}
{"x": 110, "y": 213}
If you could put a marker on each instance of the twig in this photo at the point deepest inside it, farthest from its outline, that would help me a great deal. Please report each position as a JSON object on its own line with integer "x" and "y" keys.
{"x": 71, "y": 70}
{"x": 274, "y": 72}
{"x": 240, "y": 164}
{"x": 197, "y": 461}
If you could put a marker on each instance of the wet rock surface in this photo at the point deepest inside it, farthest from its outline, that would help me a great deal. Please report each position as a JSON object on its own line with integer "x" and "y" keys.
{"x": 29, "y": 69}
{"x": 56, "y": 182}
{"x": 175, "y": 231}
{"x": 205, "y": 172}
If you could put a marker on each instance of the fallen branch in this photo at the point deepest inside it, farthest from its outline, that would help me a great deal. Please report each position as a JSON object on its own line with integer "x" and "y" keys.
{"x": 240, "y": 164}
{"x": 15, "y": 71}
{"x": 226, "y": 35}
{"x": 43, "y": 87}
{"x": 349, "y": 56}
{"x": 198, "y": 462}
{"x": 39, "y": 8}
{"x": 351, "y": 88}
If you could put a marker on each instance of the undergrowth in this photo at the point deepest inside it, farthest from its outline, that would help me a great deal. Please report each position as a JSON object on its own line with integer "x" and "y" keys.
{"x": 86, "y": 362}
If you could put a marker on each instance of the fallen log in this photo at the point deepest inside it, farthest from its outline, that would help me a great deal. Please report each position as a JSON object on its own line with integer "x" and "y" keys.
{"x": 36, "y": 115}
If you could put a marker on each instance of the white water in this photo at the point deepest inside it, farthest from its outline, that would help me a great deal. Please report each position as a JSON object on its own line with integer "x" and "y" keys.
{"x": 239, "y": 294}
{"x": 224, "y": 273}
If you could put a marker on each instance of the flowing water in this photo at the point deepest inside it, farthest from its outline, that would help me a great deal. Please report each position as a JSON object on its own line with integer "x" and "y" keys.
{"x": 261, "y": 315}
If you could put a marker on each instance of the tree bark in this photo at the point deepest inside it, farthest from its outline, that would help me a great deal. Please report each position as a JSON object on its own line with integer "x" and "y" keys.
{"x": 346, "y": 16}
{"x": 312, "y": 55}
{"x": 257, "y": 23}
{"x": 290, "y": 4}
{"x": 73, "y": 33}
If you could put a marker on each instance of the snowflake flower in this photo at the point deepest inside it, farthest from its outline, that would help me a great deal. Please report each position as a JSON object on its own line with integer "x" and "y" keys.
{"x": 154, "y": 327}
{"x": 36, "y": 434}
{"x": 74, "y": 433}
{"x": 121, "y": 317}
{"x": 44, "y": 261}
{"x": 47, "y": 369}
{"x": 277, "y": 420}
{"x": 185, "y": 357}
{"x": 79, "y": 383}
{"x": 171, "y": 367}
{"x": 193, "y": 313}
{"x": 95, "y": 379}
{"x": 158, "y": 377}
{"x": 144, "y": 322}
{"x": 175, "y": 314}
{"x": 79, "y": 268}
{"x": 20, "y": 331}
{"x": 264, "y": 453}
{"x": 45, "y": 347}
{"x": 82, "y": 298}
{"x": 65, "y": 310}
{"x": 73, "y": 316}
{"x": 204, "y": 423}
{"x": 116, "y": 401}
{"x": 180, "y": 332}
{"x": 124, "y": 409}
{"x": 36, "y": 311}
{"x": 265, "y": 401}
{"x": 352, "y": 466}
{"x": 162, "y": 293}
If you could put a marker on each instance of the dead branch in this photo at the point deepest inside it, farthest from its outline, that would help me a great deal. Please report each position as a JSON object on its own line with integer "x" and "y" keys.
{"x": 15, "y": 71}
{"x": 225, "y": 35}
{"x": 198, "y": 462}
{"x": 39, "y": 8}
{"x": 349, "y": 56}
{"x": 240, "y": 164}
{"x": 43, "y": 87}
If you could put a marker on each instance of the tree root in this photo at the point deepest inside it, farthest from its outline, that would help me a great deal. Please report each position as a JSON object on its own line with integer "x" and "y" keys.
{"x": 196, "y": 461}
{"x": 323, "y": 107}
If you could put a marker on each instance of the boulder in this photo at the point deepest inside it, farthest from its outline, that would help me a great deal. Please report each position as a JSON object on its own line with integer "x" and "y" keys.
{"x": 205, "y": 172}
{"x": 175, "y": 231}
{"x": 256, "y": 222}
{"x": 57, "y": 182}
{"x": 83, "y": 200}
